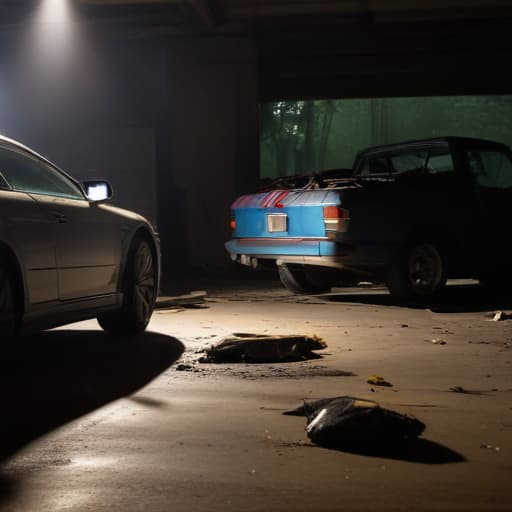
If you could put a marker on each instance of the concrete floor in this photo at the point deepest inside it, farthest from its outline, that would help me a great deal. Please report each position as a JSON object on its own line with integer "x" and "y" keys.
{"x": 92, "y": 424}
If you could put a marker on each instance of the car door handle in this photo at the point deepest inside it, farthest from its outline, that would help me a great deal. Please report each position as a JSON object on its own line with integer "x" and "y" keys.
{"x": 61, "y": 218}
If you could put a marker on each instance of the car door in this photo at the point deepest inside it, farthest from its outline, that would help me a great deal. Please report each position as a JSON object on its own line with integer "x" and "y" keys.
{"x": 88, "y": 247}
{"x": 491, "y": 168}
{"x": 28, "y": 231}
{"x": 452, "y": 196}
{"x": 87, "y": 241}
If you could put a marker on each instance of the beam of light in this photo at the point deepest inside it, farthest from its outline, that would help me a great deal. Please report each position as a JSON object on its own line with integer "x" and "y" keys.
{"x": 53, "y": 11}
{"x": 58, "y": 69}
{"x": 53, "y": 25}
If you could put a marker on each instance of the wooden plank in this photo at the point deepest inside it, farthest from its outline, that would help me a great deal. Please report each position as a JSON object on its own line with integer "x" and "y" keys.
{"x": 192, "y": 298}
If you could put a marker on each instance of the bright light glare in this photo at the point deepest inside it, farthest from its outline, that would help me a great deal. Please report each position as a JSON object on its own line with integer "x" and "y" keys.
{"x": 53, "y": 11}
{"x": 51, "y": 38}
{"x": 97, "y": 192}
{"x": 58, "y": 72}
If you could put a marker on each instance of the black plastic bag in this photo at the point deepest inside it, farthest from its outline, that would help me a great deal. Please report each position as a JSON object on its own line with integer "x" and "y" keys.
{"x": 347, "y": 422}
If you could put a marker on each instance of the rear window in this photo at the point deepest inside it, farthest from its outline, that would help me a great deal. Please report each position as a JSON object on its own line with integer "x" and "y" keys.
{"x": 491, "y": 168}
{"x": 375, "y": 165}
{"x": 436, "y": 160}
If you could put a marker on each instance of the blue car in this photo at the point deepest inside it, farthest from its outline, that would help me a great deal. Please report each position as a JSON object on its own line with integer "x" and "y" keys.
{"x": 409, "y": 215}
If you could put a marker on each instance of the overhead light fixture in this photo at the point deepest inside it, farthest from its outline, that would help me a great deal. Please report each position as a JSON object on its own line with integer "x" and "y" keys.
{"x": 54, "y": 11}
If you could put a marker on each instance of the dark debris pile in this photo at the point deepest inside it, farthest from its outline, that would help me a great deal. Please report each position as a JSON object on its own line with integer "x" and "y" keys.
{"x": 345, "y": 421}
{"x": 260, "y": 348}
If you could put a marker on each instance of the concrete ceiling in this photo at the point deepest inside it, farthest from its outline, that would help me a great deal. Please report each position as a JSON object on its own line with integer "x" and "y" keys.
{"x": 328, "y": 48}
{"x": 264, "y": 15}
{"x": 254, "y": 14}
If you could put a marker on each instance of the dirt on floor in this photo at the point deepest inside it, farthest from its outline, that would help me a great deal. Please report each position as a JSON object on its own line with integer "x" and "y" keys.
{"x": 159, "y": 429}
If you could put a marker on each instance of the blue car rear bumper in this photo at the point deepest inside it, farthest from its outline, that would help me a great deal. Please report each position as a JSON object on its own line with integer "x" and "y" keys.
{"x": 309, "y": 252}
{"x": 278, "y": 247}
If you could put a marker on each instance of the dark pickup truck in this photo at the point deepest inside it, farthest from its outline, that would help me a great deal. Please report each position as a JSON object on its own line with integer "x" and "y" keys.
{"x": 409, "y": 215}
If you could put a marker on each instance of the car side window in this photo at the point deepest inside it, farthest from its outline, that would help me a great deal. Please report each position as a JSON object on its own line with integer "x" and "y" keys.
{"x": 440, "y": 162}
{"x": 491, "y": 168}
{"x": 409, "y": 161}
{"x": 3, "y": 184}
{"x": 375, "y": 165}
{"x": 26, "y": 174}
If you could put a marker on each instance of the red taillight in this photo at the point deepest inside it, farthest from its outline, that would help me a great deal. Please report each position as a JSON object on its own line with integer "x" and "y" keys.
{"x": 335, "y": 220}
{"x": 335, "y": 212}
{"x": 232, "y": 223}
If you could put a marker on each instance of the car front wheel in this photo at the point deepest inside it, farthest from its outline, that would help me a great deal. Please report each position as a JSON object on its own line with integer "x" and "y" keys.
{"x": 139, "y": 292}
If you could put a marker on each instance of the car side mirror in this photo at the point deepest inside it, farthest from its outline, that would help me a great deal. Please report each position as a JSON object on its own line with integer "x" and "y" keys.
{"x": 97, "y": 190}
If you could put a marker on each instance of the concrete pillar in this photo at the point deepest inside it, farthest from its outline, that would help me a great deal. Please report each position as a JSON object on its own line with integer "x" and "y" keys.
{"x": 208, "y": 148}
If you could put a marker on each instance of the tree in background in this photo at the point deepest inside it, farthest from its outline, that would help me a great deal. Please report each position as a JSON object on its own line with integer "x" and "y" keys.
{"x": 280, "y": 135}
{"x": 302, "y": 136}
{"x": 295, "y": 136}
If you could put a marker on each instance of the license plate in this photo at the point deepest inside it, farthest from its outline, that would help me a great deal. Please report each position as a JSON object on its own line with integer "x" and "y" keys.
{"x": 276, "y": 222}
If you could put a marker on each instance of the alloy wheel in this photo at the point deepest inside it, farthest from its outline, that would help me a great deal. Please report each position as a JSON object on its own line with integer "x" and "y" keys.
{"x": 144, "y": 282}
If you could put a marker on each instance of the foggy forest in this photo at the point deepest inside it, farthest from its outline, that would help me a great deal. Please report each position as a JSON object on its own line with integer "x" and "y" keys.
{"x": 301, "y": 136}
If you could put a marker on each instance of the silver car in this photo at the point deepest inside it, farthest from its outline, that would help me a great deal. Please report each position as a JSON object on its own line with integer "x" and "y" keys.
{"x": 65, "y": 255}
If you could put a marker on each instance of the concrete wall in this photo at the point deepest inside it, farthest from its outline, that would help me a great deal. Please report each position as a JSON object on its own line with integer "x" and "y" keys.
{"x": 212, "y": 147}
{"x": 172, "y": 123}
{"x": 365, "y": 60}
{"x": 95, "y": 115}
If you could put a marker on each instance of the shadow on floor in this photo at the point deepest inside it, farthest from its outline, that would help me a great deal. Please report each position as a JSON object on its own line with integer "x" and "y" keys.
{"x": 453, "y": 299}
{"x": 8, "y": 487}
{"x": 50, "y": 378}
{"x": 414, "y": 450}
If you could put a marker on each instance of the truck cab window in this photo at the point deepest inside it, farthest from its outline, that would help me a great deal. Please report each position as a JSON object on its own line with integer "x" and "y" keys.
{"x": 491, "y": 168}
{"x": 409, "y": 161}
{"x": 440, "y": 162}
{"x": 375, "y": 165}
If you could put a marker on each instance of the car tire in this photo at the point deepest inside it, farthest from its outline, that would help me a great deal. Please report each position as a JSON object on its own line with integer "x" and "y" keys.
{"x": 300, "y": 280}
{"x": 8, "y": 314}
{"x": 419, "y": 273}
{"x": 139, "y": 292}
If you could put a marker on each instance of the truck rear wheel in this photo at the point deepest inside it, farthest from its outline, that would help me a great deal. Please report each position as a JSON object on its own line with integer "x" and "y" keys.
{"x": 419, "y": 273}
{"x": 301, "y": 280}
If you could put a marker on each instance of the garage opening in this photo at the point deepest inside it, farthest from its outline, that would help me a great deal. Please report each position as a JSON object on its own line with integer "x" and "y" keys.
{"x": 301, "y": 136}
